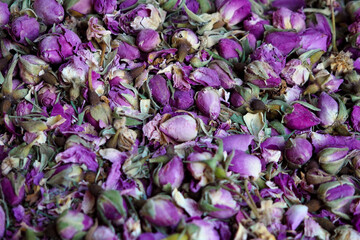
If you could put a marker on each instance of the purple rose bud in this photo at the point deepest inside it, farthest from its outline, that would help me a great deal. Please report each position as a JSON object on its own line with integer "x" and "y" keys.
{"x": 72, "y": 223}
{"x": 32, "y": 68}
{"x": 236, "y": 99}
{"x": 206, "y": 77}
{"x": 103, "y": 232}
{"x": 127, "y": 51}
{"x": 284, "y": 41}
{"x": 181, "y": 128}
{"x": 24, "y": 108}
{"x": 4, "y": 16}
{"x": 24, "y": 27}
{"x": 233, "y": 11}
{"x": 295, "y": 215}
{"x": 333, "y": 159}
{"x": 171, "y": 175}
{"x": 105, "y": 6}
{"x": 255, "y": 25}
{"x": 13, "y": 189}
{"x": 301, "y": 118}
{"x": 161, "y": 211}
{"x": 219, "y": 203}
{"x": 355, "y": 118}
{"x": 147, "y": 40}
{"x": 245, "y": 164}
{"x": 353, "y": 9}
{"x": 47, "y": 95}
{"x": 58, "y": 46}
{"x": 159, "y": 90}
{"x": 2, "y": 222}
{"x": 205, "y": 229}
{"x": 298, "y": 151}
{"x": 50, "y": 11}
{"x": 83, "y": 7}
{"x": 229, "y": 48}
{"x": 329, "y": 109}
{"x": 337, "y": 196}
{"x": 322, "y": 24}
{"x": 295, "y": 73}
{"x": 208, "y": 102}
{"x": 111, "y": 207}
{"x": 284, "y": 18}
{"x": 290, "y": 4}
{"x": 182, "y": 99}
{"x": 271, "y": 55}
{"x": 312, "y": 39}
{"x": 224, "y": 72}
{"x": 237, "y": 142}
{"x": 262, "y": 75}
{"x": 142, "y": 17}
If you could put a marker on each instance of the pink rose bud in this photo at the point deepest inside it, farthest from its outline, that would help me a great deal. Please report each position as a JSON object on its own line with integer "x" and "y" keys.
{"x": 233, "y": 11}
{"x": 284, "y": 18}
{"x": 246, "y": 165}
{"x": 25, "y": 27}
{"x": 298, "y": 151}
{"x": 295, "y": 215}
{"x": 208, "y": 102}
{"x": 50, "y": 11}
{"x": 301, "y": 118}
{"x": 4, "y": 15}
{"x": 147, "y": 40}
{"x": 181, "y": 128}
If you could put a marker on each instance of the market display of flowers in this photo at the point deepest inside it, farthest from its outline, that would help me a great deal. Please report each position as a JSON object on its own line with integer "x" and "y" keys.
{"x": 180, "y": 119}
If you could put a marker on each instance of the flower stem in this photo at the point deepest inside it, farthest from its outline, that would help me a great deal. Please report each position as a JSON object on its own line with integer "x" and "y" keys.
{"x": 333, "y": 26}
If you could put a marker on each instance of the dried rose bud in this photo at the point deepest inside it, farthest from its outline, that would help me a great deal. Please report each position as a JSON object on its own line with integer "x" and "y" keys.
{"x": 262, "y": 74}
{"x": 127, "y": 51}
{"x": 225, "y": 73}
{"x": 284, "y": 41}
{"x": 24, "y": 108}
{"x": 295, "y": 73}
{"x": 295, "y": 215}
{"x": 218, "y": 202}
{"x": 199, "y": 169}
{"x": 337, "y": 195}
{"x": 4, "y": 15}
{"x": 186, "y": 41}
{"x": 159, "y": 90}
{"x": 284, "y": 18}
{"x": 99, "y": 115}
{"x": 182, "y": 99}
{"x": 206, "y": 77}
{"x": 47, "y": 95}
{"x": 298, "y": 151}
{"x": 245, "y": 164}
{"x": 356, "y": 164}
{"x": 144, "y": 16}
{"x": 111, "y": 207}
{"x": 312, "y": 39}
{"x": 317, "y": 176}
{"x": 301, "y": 118}
{"x": 233, "y": 11}
{"x": 271, "y": 55}
{"x": 353, "y": 9}
{"x": 329, "y": 110}
{"x": 66, "y": 175}
{"x": 73, "y": 225}
{"x": 13, "y": 188}
{"x": 161, "y": 211}
{"x": 332, "y": 159}
{"x": 50, "y": 11}
{"x": 58, "y": 46}
{"x": 105, "y": 6}
{"x": 206, "y": 229}
{"x": 236, "y": 99}
{"x": 181, "y": 128}
{"x": 82, "y": 7}
{"x": 255, "y": 25}
{"x": 229, "y": 48}
{"x": 25, "y": 27}
{"x": 102, "y": 233}
{"x": 171, "y": 175}
{"x": 32, "y": 68}
{"x": 147, "y": 40}
{"x": 240, "y": 142}
{"x": 208, "y": 102}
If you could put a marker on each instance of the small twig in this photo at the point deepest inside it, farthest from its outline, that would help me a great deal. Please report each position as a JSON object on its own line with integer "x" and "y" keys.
{"x": 333, "y": 26}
